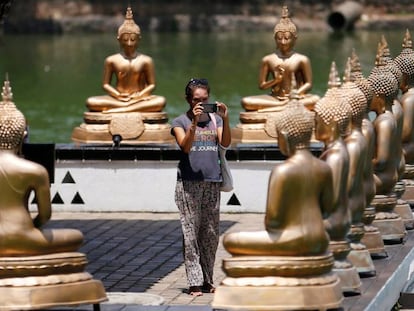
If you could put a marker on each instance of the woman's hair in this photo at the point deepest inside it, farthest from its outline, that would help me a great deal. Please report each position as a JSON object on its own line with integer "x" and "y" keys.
{"x": 193, "y": 84}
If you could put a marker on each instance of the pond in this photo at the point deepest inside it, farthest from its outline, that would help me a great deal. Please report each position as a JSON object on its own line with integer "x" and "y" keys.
{"x": 51, "y": 76}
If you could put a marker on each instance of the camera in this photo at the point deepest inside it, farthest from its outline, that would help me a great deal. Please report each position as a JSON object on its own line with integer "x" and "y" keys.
{"x": 209, "y": 107}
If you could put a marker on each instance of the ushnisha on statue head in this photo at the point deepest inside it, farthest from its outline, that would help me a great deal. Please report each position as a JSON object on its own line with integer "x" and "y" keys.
{"x": 129, "y": 25}
{"x": 332, "y": 109}
{"x": 358, "y": 78}
{"x": 405, "y": 62}
{"x": 285, "y": 24}
{"x": 12, "y": 121}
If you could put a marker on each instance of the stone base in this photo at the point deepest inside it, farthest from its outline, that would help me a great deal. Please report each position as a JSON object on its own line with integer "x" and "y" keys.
{"x": 101, "y": 134}
{"x": 408, "y": 195}
{"x": 373, "y": 241}
{"x": 349, "y": 279}
{"x": 404, "y": 210}
{"x": 391, "y": 226}
{"x": 71, "y": 293}
{"x": 251, "y": 134}
{"x": 361, "y": 259}
{"x": 284, "y": 293}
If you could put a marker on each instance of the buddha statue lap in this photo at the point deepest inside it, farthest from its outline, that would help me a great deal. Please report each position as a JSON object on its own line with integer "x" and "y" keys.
{"x": 129, "y": 109}
{"x": 333, "y": 116}
{"x": 278, "y": 71}
{"x": 39, "y": 268}
{"x": 372, "y": 237}
{"x": 386, "y": 161}
{"x": 290, "y": 257}
{"x": 357, "y": 147}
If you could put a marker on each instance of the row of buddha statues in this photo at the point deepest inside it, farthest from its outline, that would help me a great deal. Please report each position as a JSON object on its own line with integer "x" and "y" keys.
{"x": 328, "y": 217}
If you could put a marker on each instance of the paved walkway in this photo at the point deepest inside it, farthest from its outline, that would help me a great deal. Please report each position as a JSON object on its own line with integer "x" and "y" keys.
{"x": 141, "y": 253}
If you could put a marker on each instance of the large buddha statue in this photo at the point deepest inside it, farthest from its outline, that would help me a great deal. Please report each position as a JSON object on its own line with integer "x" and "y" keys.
{"x": 39, "y": 268}
{"x": 291, "y": 253}
{"x": 333, "y": 116}
{"x": 134, "y": 76}
{"x": 279, "y": 70}
{"x": 129, "y": 108}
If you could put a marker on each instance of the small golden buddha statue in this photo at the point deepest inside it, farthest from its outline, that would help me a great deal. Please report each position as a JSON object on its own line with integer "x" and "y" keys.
{"x": 281, "y": 66}
{"x": 134, "y": 74}
{"x": 20, "y": 235}
{"x": 372, "y": 237}
{"x": 129, "y": 112}
{"x": 333, "y": 116}
{"x": 358, "y": 150}
{"x": 405, "y": 61}
{"x": 291, "y": 253}
{"x": 387, "y": 159}
{"x": 290, "y": 195}
{"x": 39, "y": 268}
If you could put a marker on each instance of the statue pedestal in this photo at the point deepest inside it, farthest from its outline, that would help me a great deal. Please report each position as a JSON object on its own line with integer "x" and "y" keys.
{"x": 45, "y": 281}
{"x": 372, "y": 238}
{"x": 389, "y": 223}
{"x": 359, "y": 255}
{"x": 402, "y": 208}
{"x": 282, "y": 283}
{"x": 346, "y": 271}
{"x": 133, "y": 127}
{"x": 408, "y": 179}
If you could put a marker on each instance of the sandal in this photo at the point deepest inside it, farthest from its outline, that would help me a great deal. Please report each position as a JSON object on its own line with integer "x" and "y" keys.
{"x": 208, "y": 288}
{"x": 195, "y": 291}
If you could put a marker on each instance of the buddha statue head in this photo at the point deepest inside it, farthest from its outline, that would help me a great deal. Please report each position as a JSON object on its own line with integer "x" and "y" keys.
{"x": 405, "y": 62}
{"x": 294, "y": 126}
{"x": 354, "y": 96}
{"x": 358, "y": 78}
{"x": 332, "y": 111}
{"x": 285, "y": 33}
{"x": 12, "y": 121}
{"x": 384, "y": 84}
{"x": 129, "y": 26}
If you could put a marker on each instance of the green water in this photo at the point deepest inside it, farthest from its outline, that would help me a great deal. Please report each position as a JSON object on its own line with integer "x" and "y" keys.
{"x": 52, "y": 76}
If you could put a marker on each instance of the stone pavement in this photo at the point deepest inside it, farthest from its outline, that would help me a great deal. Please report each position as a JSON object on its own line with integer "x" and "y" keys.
{"x": 140, "y": 253}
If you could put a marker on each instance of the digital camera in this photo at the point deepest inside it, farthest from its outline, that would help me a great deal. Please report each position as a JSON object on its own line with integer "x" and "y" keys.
{"x": 209, "y": 107}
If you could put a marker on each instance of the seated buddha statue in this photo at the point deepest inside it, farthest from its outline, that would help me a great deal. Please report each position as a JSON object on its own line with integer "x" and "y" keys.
{"x": 39, "y": 268}
{"x": 297, "y": 199}
{"x": 387, "y": 159}
{"x": 291, "y": 254}
{"x": 20, "y": 234}
{"x": 129, "y": 111}
{"x": 279, "y": 68}
{"x": 134, "y": 76}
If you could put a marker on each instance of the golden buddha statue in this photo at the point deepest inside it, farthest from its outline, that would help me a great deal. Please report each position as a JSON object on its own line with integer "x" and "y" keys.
{"x": 405, "y": 61}
{"x": 386, "y": 161}
{"x": 357, "y": 147}
{"x": 333, "y": 116}
{"x": 39, "y": 268}
{"x": 291, "y": 253}
{"x": 129, "y": 108}
{"x": 278, "y": 72}
{"x": 372, "y": 237}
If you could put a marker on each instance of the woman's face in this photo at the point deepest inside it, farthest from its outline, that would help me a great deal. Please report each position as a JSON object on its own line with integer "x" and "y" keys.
{"x": 200, "y": 94}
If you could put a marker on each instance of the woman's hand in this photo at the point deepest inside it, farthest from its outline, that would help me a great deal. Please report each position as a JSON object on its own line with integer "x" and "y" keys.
{"x": 222, "y": 110}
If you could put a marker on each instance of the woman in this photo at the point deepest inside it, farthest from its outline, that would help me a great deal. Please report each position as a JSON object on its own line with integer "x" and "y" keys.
{"x": 197, "y": 192}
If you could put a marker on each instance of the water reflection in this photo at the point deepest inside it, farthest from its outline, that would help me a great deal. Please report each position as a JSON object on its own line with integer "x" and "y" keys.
{"x": 52, "y": 76}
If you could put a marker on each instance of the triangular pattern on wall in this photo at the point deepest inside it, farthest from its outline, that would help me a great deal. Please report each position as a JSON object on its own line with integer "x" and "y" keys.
{"x": 68, "y": 179}
{"x": 233, "y": 200}
{"x": 77, "y": 199}
{"x": 57, "y": 199}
